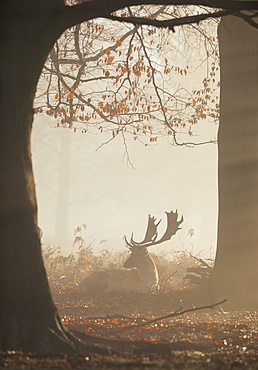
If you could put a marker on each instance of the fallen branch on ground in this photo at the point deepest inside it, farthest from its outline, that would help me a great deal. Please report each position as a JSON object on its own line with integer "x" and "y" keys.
{"x": 174, "y": 314}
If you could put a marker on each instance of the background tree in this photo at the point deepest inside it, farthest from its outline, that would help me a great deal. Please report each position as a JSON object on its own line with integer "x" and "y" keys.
{"x": 28, "y": 316}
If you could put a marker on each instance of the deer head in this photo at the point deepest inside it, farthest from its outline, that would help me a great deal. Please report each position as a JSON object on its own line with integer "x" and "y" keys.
{"x": 137, "y": 258}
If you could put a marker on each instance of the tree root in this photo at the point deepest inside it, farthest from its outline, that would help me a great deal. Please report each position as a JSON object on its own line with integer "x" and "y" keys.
{"x": 140, "y": 346}
{"x": 42, "y": 338}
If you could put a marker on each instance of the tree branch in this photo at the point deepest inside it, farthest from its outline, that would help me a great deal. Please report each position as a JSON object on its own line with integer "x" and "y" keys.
{"x": 171, "y": 23}
{"x": 72, "y": 15}
{"x": 174, "y": 314}
{"x": 248, "y": 19}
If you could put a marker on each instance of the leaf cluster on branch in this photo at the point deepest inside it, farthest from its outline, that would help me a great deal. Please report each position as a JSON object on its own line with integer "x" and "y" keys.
{"x": 102, "y": 76}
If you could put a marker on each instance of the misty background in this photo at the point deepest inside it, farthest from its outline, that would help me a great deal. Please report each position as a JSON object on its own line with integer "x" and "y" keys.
{"x": 80, "y": 181}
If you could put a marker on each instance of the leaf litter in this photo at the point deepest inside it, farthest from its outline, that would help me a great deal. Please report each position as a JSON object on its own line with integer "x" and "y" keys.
{"x": 115, "y": 323}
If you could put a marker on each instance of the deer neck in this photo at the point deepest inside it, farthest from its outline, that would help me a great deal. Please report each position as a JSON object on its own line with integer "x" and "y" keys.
{"x": 148, "y": 272}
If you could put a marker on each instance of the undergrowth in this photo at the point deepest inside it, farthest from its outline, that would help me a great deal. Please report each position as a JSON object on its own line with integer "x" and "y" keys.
{"x": 172, "y": 265}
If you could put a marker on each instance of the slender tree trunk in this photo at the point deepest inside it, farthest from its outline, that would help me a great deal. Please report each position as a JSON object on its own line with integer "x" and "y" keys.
{"x": 28, "y": 316}
{"x": 62, "y": 206}
{"x": 236, "y": 267}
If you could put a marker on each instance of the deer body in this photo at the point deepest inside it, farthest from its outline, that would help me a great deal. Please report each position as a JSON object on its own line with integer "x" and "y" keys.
{"x": 139, "y": 272}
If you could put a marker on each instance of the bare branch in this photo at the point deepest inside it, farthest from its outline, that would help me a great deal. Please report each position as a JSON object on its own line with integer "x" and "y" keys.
{"x": 171, "y": 23}
{"x": 72, "y": 15}
{"x": 174, "y": 314}
{"x": 248, "y": 18}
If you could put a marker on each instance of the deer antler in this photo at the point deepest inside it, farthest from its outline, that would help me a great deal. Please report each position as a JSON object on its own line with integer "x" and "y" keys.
{"x": 151, "y": 232}
{"x": 172, "y": 226}
{"x": 150, "y": 235}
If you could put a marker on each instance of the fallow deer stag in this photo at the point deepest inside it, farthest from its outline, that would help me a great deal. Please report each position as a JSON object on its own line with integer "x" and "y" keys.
{"x": 139, "y": 272}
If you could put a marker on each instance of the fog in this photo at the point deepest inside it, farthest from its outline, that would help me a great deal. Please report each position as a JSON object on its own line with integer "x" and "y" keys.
{"x": 77, "y": 184}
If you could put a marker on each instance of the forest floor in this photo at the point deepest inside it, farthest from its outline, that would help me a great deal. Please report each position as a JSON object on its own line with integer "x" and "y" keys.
{"x": 119, "y": 336}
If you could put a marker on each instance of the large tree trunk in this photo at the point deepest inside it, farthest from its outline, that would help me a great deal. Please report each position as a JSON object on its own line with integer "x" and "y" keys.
{"x": 236, "y": 267}
{"x": 28, "y": 316}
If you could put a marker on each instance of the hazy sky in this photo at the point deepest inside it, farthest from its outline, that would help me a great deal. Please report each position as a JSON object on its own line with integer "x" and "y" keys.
{"x": 102, "y": 191}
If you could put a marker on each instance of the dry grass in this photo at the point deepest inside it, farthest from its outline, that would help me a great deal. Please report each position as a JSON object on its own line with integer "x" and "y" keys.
{"x": 62, "y": 270}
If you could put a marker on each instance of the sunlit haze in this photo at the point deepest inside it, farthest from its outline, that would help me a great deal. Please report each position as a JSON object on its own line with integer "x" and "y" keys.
{"x": 77, "y": 184}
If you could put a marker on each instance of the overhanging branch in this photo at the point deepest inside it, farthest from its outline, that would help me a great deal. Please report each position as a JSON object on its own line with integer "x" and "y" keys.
{"x": 85, "y": 11}
{"x": 171, "y": 23}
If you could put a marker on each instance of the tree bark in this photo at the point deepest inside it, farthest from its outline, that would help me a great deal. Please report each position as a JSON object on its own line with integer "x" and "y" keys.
{"x": 236, "y": 266}
{"x": 28, "y": 316}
